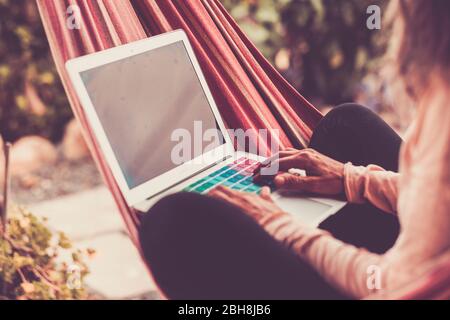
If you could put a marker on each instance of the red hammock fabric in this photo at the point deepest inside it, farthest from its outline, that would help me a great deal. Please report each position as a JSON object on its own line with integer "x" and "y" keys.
{"x": 249, "y": 92}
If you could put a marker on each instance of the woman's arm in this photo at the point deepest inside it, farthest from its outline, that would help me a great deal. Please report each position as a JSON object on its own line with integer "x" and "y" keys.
{"x": 372, "y": 184}
{"x": 346, "y": 267}
{"x": 327, "y": 176}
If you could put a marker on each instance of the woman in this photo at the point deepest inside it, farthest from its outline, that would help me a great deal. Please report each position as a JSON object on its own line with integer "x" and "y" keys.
{"x": 238, "y": 246}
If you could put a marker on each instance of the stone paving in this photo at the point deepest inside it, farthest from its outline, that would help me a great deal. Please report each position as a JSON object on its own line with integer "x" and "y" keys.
{"x": 91, "y": 220}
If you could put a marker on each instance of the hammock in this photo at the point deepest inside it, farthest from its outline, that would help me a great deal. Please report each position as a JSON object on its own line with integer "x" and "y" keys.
{"x": 249, "y": 92}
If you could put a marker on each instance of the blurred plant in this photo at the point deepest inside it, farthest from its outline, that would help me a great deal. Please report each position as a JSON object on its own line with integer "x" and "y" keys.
{"x": 32, "y": 100}
{"x": 321, "y": 46}
{"x": 28, "y": 261}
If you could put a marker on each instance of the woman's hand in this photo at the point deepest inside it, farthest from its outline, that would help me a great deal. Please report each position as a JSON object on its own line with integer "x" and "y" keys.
{"x": 325, "y": 176}
{"x": 261, "y": 208}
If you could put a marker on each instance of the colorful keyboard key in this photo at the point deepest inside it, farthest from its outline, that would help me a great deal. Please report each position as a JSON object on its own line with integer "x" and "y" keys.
{"x": 237, "y": 176}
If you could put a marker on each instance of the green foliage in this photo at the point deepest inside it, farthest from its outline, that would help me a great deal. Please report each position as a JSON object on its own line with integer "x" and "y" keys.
{"x": 32, "y": 100}
{"x": 30, "y": 262}
{"x": 321, "y": 46}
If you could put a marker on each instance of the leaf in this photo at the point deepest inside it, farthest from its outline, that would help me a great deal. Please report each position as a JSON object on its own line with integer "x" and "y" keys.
{"x": 282, "y": 59}
{"x": 337, "y": 60}
{"x": 24, "y": 222}
{"x": 21, "y": 102}
{"x": 91, "y": 252}
{"x": 267, "y": 14}
{"x": 21, "y": 261}
{"x": 347, "y": 13}
{"x": 64, "y": 241}
{"x": 24, "y": 34}
{"x": 27, "y": 287}
{"x": 5, "y": 71}
{"x": 256, "y": 32}
{"x": 361, "y": 58}
{"x": 47, "y": 78}
{"x": 319, "y": 9}
{"x": 240, "y": 11}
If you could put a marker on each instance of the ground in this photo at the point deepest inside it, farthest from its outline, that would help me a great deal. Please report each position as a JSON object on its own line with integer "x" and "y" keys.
{"x": 71, "y": 195}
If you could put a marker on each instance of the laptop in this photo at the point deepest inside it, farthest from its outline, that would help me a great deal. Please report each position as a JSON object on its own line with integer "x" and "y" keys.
{"x": 160, "y": 131}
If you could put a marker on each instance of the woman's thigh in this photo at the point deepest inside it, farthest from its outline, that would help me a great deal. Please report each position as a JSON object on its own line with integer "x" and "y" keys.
{"x": 352, "y": 133}
{"x": 203, "y": 248}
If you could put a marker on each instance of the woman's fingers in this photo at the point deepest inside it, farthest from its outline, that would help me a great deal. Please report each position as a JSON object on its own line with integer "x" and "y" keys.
{"x": 227, "y": 193}
{"x": 282, "y": 154}
{"x": 288, "y": 159}
{"x": 287, "y": 181}
{"x": 222, "y": 193}
{"x": 284, "y": 164}
{"x": 279, "y": 155}
{"x": 267, "y": 173}
{"x": 286, "y": 153}
{"x": 236, "y": 197}
{"x": 225, "y": 190}
{"x": 265, "y": 193}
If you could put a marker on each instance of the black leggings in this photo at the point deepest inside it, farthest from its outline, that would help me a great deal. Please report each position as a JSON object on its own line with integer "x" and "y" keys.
{"x": 202, "y": 248}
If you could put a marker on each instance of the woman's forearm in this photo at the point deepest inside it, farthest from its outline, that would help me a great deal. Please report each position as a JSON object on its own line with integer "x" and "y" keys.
{"x": 343, "y": 266}
{"x": 372, "y": 184}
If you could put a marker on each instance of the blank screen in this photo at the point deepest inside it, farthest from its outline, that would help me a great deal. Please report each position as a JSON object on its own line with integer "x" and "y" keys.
{"x": 141, "y": 100}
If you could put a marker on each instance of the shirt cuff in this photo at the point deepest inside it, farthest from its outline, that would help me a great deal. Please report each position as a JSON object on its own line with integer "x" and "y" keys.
{"x": 354, "y": 183}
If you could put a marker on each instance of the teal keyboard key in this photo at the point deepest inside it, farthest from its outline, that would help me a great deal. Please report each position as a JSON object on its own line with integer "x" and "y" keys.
{"x": 196, "y": 183}
{"x": 215, "y": 173}
{"x": 253, "y": 188}
{"x": 207, "y": 185}
{"x": 216, "y": 180}
{"x": 227, "y": 183}
{"x": 204, "y": 187}
{"x": 200, "y": 189}
{"x": 228, "y": 173}
{"x": 238, "y": 186}
{"x": 237, "y": 178}
{"x": 247, "y": 181}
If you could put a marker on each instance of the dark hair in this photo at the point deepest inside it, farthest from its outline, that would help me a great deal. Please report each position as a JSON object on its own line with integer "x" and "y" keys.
{"x": 423, "y": 48}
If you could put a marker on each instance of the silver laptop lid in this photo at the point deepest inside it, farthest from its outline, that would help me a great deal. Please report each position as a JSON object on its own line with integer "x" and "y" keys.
{"x": 150, "y": 107}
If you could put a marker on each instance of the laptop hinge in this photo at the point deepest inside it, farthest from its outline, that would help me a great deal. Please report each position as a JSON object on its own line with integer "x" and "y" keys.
{"x": 189, "y": 177}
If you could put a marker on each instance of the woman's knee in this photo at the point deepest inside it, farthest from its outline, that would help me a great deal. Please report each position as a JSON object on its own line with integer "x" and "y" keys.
{"x": 351, "y": 132}
{"x": 348, "y": 112}
{"x": 170, "y": 216}
{"x": 183, "y": 222}
{"x": 342, "y": 121}
{"x": 186, "y": 238}
{"x": 334, "y": 126}
{"x": 338, "y": 130}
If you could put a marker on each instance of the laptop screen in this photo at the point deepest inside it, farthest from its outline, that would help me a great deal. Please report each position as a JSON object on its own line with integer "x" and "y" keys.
{"x": 149, "y": 105}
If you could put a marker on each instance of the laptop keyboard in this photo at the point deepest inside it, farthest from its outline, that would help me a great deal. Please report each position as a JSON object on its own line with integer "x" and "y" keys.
{"x": 237, "y": 176}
